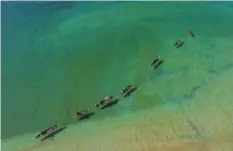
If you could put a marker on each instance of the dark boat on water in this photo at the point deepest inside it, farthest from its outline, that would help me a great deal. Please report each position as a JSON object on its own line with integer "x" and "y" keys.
{"x": 47, "y": 131}
{"x": 83, "y": 114}
{"x": 105, "y": 102}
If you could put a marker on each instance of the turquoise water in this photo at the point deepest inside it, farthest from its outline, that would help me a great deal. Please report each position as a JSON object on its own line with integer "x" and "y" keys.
{"x": 60, "y": 57}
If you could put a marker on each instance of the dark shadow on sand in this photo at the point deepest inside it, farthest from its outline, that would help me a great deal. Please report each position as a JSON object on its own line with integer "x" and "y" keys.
{"x": 114, "y": 102}
{"x": 130, "y": 92}
{"x": 190, "y": 95}
{"x": 164, "y": 72}
{"x": 158, "y": 64}
{"x": 87, "y": 116}
{"x": 228, "y": 66}
{"x": 221, "y": 69}
{"x": 194, "y": 128}
{"x": 212, "y": 71}
{"x": 52, "y": 134}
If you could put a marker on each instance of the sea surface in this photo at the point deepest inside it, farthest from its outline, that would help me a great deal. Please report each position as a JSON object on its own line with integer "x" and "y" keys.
{"x": 61, "y": 57}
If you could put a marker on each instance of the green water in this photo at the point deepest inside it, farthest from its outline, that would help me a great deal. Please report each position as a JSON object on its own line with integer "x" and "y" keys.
{"x": 57, "y": 58}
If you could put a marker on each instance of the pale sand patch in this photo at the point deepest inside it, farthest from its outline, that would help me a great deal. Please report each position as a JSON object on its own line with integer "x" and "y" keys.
{"x": 203, "y": 124}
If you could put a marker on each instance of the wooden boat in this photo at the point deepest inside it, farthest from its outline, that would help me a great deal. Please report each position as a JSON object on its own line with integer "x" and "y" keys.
{"x": 83, "y": 114}
{"x": 126, "y": 89}
{"x": 45, "y": 133}
{"x": 105, "y": 102}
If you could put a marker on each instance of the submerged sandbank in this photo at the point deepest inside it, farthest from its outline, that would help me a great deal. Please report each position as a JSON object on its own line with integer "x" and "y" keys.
{"x": 204, "y": 123}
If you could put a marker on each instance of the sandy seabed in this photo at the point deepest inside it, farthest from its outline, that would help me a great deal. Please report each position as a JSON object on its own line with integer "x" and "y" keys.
{"x": 201, "y": 124}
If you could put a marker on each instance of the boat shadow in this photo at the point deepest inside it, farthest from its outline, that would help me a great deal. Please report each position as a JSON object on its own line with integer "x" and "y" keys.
{"x": 158, "y": 64}
{"x": 87, "y": 116}
{"x": 180, "y": 44}
{"x": 130, "y": 92}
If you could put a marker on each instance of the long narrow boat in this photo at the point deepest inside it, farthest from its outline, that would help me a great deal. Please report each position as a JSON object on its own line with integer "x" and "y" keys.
{"x": 47, "y": 132}
{"x": 82, "y": 114}
{"x": 105, "y": 102}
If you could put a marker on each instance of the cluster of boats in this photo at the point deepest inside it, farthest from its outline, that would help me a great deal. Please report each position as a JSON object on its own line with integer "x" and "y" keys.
{"x": 108, "y": 100}
{"x": 105, "y": 102}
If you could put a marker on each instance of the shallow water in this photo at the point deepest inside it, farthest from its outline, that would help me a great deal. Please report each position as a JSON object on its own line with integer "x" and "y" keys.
{"x": 57, "y": 58}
